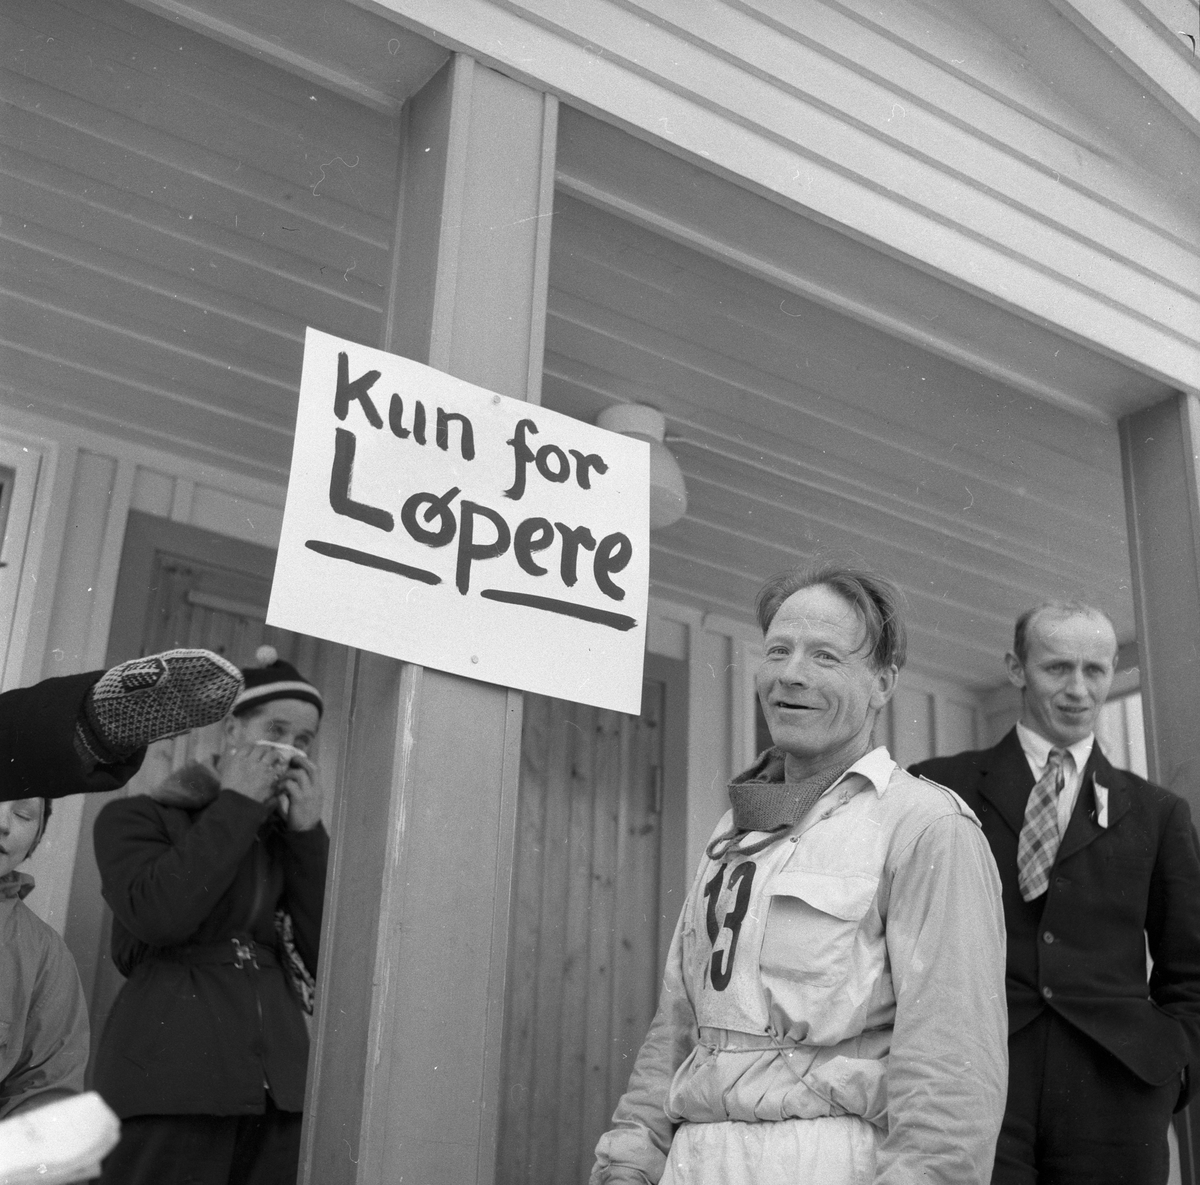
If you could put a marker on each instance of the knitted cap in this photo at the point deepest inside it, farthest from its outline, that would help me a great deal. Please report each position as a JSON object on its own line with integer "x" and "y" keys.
{"x": 274, "y": 679}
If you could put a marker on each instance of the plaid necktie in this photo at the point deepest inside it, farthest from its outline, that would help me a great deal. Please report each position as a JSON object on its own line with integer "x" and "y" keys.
{"x": 1038, "y": 844}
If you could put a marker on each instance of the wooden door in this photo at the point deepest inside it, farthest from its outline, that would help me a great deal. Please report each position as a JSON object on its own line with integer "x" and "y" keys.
{"x": 585, "y": 964}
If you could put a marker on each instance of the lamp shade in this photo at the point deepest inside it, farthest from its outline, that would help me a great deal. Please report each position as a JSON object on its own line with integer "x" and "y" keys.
{"x": 668, "y": 493}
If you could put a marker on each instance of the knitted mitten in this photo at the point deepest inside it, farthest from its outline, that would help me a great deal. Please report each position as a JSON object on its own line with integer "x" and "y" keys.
{"x": 147, "y": 699}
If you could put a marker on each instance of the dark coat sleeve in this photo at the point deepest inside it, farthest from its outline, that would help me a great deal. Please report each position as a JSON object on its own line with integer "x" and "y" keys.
{"x": 162, "y": 886}
{"x": 305, "y": 856}
{"x": 1173, "y": 926}
{"x": 37, "y": 745}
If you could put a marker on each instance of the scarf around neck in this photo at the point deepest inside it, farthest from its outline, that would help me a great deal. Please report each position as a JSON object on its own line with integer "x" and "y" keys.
{"x": 763, "y": 801}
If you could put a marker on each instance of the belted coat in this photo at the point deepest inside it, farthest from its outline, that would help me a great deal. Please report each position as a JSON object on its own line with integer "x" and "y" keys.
{"x": 207, "y": 1016}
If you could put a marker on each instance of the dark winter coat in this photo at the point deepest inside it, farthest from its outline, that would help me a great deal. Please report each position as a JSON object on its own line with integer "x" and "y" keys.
{"x": 1081, "y": 948}
{"x": 198, "y": 1028}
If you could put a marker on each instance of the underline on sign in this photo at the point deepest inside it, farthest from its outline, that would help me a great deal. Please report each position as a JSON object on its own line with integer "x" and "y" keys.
{"x": 617, "y": 621}
{"x": 335, "y": 551}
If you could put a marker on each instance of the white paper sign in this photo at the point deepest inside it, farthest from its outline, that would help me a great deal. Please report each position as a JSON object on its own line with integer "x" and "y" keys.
{"x": 439, "y": 523}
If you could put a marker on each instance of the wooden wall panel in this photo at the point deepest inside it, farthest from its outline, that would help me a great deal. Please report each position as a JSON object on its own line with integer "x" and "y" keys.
{"x": 584, "y": 957}
{"x": 912, "y": 722}
{"x": 880, "y": 122}
{"x": 174, "y": 213}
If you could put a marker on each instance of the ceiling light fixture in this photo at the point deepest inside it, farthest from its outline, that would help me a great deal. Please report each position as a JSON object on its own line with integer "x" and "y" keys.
{"x": 668, "y": 493}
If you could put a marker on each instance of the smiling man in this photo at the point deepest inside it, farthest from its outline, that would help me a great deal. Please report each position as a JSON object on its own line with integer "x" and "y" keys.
{"x": 1098, "y": 866}
{"x": 832, "y": 1007}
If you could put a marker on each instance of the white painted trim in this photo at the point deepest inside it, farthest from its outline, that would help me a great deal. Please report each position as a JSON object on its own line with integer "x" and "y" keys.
{"x": 51, "y": 527}
{"x": 32, "y": 460}
{"x": 885, "y": 186}
{"x": 675, "y": 611}
{"x": 1145, "y": 49}
{"x": 733, "y": 627}
{"x": 743, "y": 744}
{"x": 159, "y": 460}
{"x": 269, "y": 50}
{"x": 104, "y": 590}
{"x": 182, "y": 500}
{"x": 708, "y": 738}
{"x": 541, "y": 249}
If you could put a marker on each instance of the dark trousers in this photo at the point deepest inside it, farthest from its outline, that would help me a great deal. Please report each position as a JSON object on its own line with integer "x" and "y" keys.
{"x": 206, "y": 1150}
{"x": 1076, "y": 1115}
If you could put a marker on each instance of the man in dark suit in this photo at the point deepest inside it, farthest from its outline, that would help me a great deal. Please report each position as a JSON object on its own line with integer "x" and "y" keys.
{"x": 1097, "y": 867}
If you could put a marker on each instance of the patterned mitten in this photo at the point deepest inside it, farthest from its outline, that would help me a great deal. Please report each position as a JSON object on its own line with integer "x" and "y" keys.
{"x": 146, "y": 699}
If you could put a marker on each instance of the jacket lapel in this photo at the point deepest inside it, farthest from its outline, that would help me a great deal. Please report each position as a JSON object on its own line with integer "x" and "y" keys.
{"x": 1083, "y": 827}
{"x": 1005, "y": 780}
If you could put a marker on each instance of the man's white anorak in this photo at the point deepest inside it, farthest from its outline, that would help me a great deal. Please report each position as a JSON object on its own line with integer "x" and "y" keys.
{"x": 833, "y": 1005}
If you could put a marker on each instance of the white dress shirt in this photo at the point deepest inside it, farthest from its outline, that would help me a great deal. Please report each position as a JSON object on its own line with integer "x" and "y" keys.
{"x": 1037, "y": 752}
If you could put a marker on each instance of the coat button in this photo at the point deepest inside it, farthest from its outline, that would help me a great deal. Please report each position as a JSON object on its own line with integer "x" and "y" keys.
{"x": 1047, "y": 937}
{"x": 1048, "y": 993}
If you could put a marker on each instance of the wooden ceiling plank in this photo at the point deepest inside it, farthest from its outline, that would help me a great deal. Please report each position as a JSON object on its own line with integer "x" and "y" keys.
{"x": 596, "y": 250}
{"x": 859, "y": 379}
{"x": 813, "y": 521}
{"x": 829, "y": 167}
{"x": 48, "y": 264}
{"x": 131, "y": 60}
{"x": 977, "y": 665}
{"x": 125, "y": 224}
{"x": 52, "y": 382}
{"x": 1034, "y": 535}
{"x": 238, "y": 199}
{"x": 958, "y": 68}
{"x": 1146, "y": 49}
{"x": 335, "y": 46}
{"x": 928, "y": 609}
{"x": 685, "y": 205}
{"x": 113, "y": 345}
{"x": 805, "y": 415}
{"x": 821, "y": 57}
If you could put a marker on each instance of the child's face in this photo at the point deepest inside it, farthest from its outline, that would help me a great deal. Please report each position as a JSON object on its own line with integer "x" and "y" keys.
{"x": 20, "y": 824}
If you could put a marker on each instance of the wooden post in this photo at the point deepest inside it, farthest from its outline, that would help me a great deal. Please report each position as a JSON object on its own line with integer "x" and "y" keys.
{"x": 404, "y": 1076}
{"x": 1160, "y": 448}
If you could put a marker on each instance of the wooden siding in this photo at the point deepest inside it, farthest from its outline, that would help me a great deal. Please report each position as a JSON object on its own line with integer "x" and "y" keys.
{"x": 917, "y": 127}
{"x": 173, "y": 215}
{"x": 585, "y": 968}
{"x": 804, "y": 435}
{"x": 173, "y": 212}
{"x": 158, "y": 284}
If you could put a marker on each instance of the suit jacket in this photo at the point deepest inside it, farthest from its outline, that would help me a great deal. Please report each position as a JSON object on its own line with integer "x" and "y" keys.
{"x": 1080, "y": 948}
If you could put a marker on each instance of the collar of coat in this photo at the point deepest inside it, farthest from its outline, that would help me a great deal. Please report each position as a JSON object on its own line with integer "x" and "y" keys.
{"x": 192, "y": 786}
{"x": 1005, "y": 780}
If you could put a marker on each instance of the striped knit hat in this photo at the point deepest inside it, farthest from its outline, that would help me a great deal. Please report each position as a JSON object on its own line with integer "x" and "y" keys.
{"x": 274, "y": 679}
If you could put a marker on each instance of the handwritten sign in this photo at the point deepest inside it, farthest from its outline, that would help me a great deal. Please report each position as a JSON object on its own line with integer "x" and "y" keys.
{"x": 443, "y": 524}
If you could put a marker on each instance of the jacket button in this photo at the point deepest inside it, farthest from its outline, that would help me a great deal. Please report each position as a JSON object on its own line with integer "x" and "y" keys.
{"x": 1048, "y": 993}
{"x": 1047, "y": 937}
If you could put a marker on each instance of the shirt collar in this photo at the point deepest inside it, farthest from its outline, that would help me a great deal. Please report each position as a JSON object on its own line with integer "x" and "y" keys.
{"x": 876, "y": 766}
{"x": 1037, "y": 748}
